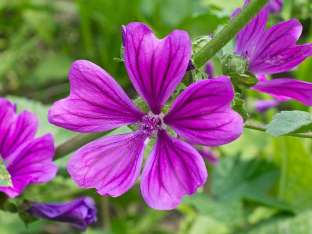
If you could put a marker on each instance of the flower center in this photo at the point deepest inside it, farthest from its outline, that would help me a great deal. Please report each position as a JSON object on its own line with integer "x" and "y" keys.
{"x": 151, "y": 123}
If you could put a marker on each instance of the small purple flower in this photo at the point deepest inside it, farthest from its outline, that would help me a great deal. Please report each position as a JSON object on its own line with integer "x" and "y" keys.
{"x": 209, "y": 70}
{"x": 208, "y": 155}
{"x": 80, "y": 212}
{"x": 201, "y": 114}
{"x": 123, "y": 35}
{"x": 275, "y": 51}
{"x": 263, "y": 105}
{"x": 28, "y": 160}
{"x": 275, "y": 6}
{"x": 190, "y": 66}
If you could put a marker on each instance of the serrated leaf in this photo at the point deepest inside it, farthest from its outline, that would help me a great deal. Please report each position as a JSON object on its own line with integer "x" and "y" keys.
{"x": 299, "y": 224}
{"x": 238, "y": 105}
{"x": 296, "y": 180}
{"x": 289, "y": 122}
{"x": 227, "y": 212}
{"x": 5, "y": 177}
{"x": 234, "y": 178}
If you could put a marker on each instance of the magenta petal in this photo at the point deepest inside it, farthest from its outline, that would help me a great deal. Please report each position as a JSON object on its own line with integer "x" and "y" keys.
{"x": 15, "y": 129}
{"x": 202, "y": 115}
{"x": 31, "y": 163}
{"x": 155, "y": 66}
{"x": 277, "y": 51}
{"x": 111, "y": 165}
{"x": 173, "y": 169}
{"x": 263, "y": 105}
{"x": 250, "y": 35}
{"x": 289, "y": 88}
{"x": 96, "y": 102}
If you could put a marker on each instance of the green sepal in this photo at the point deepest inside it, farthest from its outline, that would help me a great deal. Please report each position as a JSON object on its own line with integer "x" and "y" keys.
{"x": 5, "y": 177}
{"x": 246, "y": 80}
{"x": 238, "y": 105}
{"x": 121, "y": 58}
{"x": 233, "y": 64}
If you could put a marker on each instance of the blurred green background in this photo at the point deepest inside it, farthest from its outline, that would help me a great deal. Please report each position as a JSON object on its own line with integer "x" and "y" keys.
{"x": 261, "y": 184}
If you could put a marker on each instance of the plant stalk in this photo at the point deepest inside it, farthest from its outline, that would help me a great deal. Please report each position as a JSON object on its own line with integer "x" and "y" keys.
{"x": 229, "y": 32}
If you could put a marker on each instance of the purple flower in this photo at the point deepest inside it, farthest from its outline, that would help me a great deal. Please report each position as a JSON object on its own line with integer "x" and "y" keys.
{"x": 275, "y": 51}
{"x": 263, "y": 105}
{"x": 209, "y": 70}
{"x": 201, "y": 114}
{"x": 208, "y": 155}
{"x": 28, "y": 160}
{"x": 275, "y": 6}
{"x": 80, "y": 212}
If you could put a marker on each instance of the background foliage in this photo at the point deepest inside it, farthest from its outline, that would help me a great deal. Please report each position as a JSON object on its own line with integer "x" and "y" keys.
{"x": 261, "y": 184}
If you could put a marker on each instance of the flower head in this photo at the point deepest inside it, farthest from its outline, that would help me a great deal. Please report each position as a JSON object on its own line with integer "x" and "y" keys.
{"x": 80, "y": 212}
{"x": 275, "y": 51}
{"x": 28, "y": 160}
{"x": 201, "y": 114}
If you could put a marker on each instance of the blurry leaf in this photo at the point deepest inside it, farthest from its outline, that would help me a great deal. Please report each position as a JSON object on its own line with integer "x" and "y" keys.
{"x": 209, "y": 20}
{"x": 227, "y": 212}
{"x": 261, "y": 213}
{"x": 234, "y": 178}
{"x": 289, "y": 122}
{"x": 224, "y": 4}
{"x": 296, "y": 181}
{"x": 205, "y": 224}
{"x": 11, "y": 207}
{"x": 299, "y": 224}
{"x": 42, "y": 22}
{"x": 50, "y": 69}
{"x": 239, "y": 106}
{"x": 5, "y": 177}
{"x": 60, "y": 135}
{"x": 10, "y": 57}
{"x": 27, "y": 218}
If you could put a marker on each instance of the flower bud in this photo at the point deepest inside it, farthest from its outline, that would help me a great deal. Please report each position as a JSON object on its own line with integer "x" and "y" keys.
{"x": 233, "y": 64}
{"x": 80, "y": 212}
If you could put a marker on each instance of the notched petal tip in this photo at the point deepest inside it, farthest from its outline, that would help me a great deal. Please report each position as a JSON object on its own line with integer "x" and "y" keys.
{"x": 155, "y": 66}
{"x": 96, "y": 102}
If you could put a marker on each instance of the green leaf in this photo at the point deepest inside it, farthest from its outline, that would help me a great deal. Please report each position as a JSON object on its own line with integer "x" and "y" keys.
{"x": 290, "y": 122}
{"x": 227, "y": 212}
{"x": 295, "y": 185}
{"x": 238, "y": 105}
{"x": 26, "y": 218}
{"x": 299, "y": 224}
{"x": 205, "y": 224}
{"x": 234, "y": 178}
{"x": 55, "y": 68}
{"x": 5, "y": 177}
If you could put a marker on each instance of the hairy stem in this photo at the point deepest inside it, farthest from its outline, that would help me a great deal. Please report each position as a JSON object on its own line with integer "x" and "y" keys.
{"x": 229, "y": 31}
{"x": 262, "y": 128}
{"x": 76, "y": 142}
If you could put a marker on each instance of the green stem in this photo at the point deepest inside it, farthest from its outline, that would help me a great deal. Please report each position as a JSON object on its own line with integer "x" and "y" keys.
{"x": 76, "y": 142}
{"x": 262, "y": 128}
{"x": 229, "y": 32}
